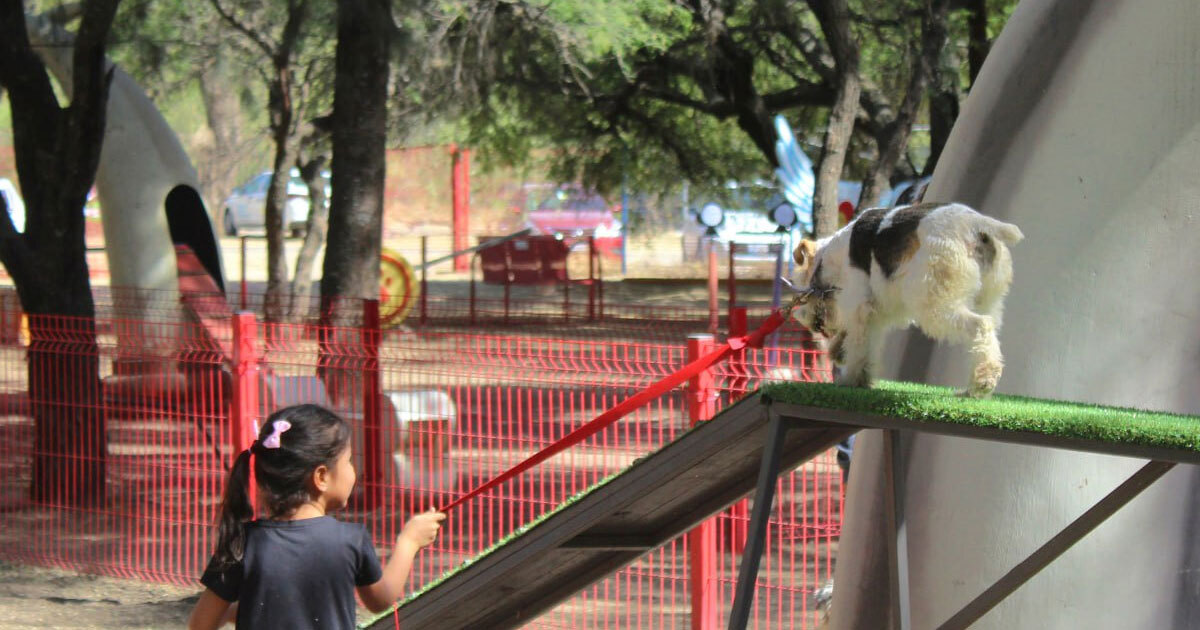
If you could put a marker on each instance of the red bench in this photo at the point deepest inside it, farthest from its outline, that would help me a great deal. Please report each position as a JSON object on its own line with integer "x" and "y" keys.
{"x": 531, "y": 261}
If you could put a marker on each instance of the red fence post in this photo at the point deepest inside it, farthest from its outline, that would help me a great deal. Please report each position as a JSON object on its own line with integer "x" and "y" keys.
{"x": 739, "y": 513}
{"x": 714, "y": 317}
{"x": 372, "y": 444}
{"x": 591, "y": 278}
{"x": 732, "y": 288}
{"x": 242, "y": 287}
{"x": 702, "y": 540}
{"x": 460, "y": 191}
{"x": 471, "y": 300}
{"x": 245, "y": 386}
{"x": 424, "y": 281}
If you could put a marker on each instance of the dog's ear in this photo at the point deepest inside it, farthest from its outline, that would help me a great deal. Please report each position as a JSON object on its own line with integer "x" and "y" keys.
{"x": 804, "y": 254}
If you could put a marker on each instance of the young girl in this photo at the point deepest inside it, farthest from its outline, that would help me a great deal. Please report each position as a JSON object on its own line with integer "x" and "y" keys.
{"x": 298, "y": 567}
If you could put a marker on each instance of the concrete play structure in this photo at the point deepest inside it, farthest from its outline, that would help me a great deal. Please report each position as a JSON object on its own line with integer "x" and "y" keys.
{"x": 1083, "y": 129}
{"x": 165, "y": 262}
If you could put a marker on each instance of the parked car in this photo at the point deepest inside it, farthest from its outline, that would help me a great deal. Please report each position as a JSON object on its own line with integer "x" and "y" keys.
{"x": 245, "y": 207}
{"x": 573, "y": 214}
{"x": 16, "y": 206}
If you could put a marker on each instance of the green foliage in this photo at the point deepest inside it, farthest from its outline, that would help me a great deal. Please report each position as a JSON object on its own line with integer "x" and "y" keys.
{"x": 633, "y": 88}
{"x": 927, "y": 403}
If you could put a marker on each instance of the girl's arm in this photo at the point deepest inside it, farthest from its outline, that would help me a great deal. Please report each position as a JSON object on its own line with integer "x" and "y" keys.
{"x": 211, "y": 612}
{"x": 418, "y": 532}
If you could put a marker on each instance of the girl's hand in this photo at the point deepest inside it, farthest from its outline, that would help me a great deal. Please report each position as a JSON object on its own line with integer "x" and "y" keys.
{"x": 421, "y": 530}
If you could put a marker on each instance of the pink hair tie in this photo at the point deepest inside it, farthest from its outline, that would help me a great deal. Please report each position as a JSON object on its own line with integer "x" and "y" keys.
{"x": 278, "y": 427}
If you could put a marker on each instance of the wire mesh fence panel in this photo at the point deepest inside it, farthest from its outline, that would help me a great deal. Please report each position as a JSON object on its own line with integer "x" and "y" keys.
{"x": 129, "y": 483}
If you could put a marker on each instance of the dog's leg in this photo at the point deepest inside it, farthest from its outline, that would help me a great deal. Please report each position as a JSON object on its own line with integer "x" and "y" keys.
{"x": 856, "y": 350}
{"x": 961, "y": 325}
{"x": 837, "y": 349}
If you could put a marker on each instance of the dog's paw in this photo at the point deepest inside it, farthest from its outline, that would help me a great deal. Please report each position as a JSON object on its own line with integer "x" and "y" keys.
{"x": 973, "y": 393}
{"x": 984, "y": 379}
{"x": 858, "y": 379}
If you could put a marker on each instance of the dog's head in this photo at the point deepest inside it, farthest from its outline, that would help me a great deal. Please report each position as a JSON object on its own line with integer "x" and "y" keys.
{"x": 816, "y": 309}
{"x": 805, "y": 256}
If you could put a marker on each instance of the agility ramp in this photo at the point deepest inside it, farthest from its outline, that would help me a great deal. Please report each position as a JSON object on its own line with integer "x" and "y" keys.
{"x": 746, "y": 446}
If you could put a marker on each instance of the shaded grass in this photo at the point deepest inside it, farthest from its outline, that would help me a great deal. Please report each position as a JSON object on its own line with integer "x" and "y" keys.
{"x": 927, "y": 403}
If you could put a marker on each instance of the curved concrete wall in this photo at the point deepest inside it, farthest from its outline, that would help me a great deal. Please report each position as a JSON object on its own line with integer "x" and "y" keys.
{"x": 1084, "y": 130}
{"x": 141, "y": 162}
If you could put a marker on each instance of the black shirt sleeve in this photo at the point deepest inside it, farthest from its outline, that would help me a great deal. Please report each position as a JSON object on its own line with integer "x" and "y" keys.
{"x": 226, "y": 581}
{"x": 368, "y": 570}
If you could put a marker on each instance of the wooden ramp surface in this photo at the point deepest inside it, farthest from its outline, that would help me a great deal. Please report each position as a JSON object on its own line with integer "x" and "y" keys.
{"x": 658, "y": 498}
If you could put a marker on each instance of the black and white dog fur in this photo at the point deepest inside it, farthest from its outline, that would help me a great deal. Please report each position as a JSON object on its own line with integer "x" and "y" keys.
{"x": 944, "y": 267}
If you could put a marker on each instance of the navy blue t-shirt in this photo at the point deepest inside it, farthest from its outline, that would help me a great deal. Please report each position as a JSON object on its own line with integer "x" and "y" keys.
{"x": 298, "y": 574}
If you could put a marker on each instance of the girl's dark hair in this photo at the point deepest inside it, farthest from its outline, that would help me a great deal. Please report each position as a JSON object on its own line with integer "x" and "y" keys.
{"x": 317, "y": 436}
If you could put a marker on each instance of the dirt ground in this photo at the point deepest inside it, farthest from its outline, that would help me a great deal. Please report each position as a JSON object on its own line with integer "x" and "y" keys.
{"x": 52, "y": 599}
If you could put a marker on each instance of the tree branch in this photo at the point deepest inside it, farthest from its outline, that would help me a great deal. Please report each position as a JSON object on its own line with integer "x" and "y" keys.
{"x": 266, "y": 46}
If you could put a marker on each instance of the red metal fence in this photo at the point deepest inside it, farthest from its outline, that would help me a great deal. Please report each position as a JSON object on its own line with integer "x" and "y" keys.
{"x": 437, "y": 412}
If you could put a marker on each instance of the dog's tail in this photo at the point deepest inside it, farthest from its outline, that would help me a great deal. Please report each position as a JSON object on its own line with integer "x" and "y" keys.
{"x": 1006, "y": 233}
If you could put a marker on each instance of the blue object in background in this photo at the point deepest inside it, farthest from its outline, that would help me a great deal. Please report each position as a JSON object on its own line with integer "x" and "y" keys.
{"x": 795, "y": 173}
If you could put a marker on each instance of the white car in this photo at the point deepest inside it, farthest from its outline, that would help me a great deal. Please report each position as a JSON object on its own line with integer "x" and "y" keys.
{"x": 246, "y": 204}
{"x": 16, "y": 206}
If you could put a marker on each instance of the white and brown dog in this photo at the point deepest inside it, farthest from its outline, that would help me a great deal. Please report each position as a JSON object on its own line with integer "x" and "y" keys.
{"x": 944, "y": 267}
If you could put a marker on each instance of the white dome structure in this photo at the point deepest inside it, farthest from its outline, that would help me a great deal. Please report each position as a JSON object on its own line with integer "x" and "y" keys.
{"x": 1084, "y": 130}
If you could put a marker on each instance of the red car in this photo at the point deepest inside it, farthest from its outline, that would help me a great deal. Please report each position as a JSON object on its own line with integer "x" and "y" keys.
{"x": 573, "y": 215}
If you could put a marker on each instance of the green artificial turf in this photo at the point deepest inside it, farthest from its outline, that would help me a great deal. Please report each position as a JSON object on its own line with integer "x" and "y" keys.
{"x": 926, "y": 403}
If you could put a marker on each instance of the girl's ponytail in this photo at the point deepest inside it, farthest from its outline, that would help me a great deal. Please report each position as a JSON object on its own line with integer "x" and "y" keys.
{"x": 235, "y": 511}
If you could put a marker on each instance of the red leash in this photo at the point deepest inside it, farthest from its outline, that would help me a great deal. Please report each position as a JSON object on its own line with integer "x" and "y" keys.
{"x": 734, "y": 344}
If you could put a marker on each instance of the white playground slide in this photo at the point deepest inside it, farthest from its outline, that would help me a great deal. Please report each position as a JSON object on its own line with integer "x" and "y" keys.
{"x": 1084, "y": 130}
{"x": 143, "y": 170}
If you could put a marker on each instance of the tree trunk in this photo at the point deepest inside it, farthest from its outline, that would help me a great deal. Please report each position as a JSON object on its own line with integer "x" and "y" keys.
{"x": 282, "y": 133}
{"x": 834, "y": 17}
{"x": 943, "y": 105}
{"x": 351, "y": 266}
{"x": 224, "y": 115}
{"x": 893, "y": 140}
{"x": 977, "y": 36}
{"x": 57, "y": 152}
{"x": 314, "y": 237}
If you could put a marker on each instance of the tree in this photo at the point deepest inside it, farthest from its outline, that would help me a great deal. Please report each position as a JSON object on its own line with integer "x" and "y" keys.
{"x": 690, "y": 88}
{"x": 57, "y": 152}
{"x": 364, "y": 33}
{"x": 834, "y": 17}
{"x": 171, "y": 46}
{"x": 296, "y": 55}
{"x": 312, "y": 161}
{"x": 892, "y": 136}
